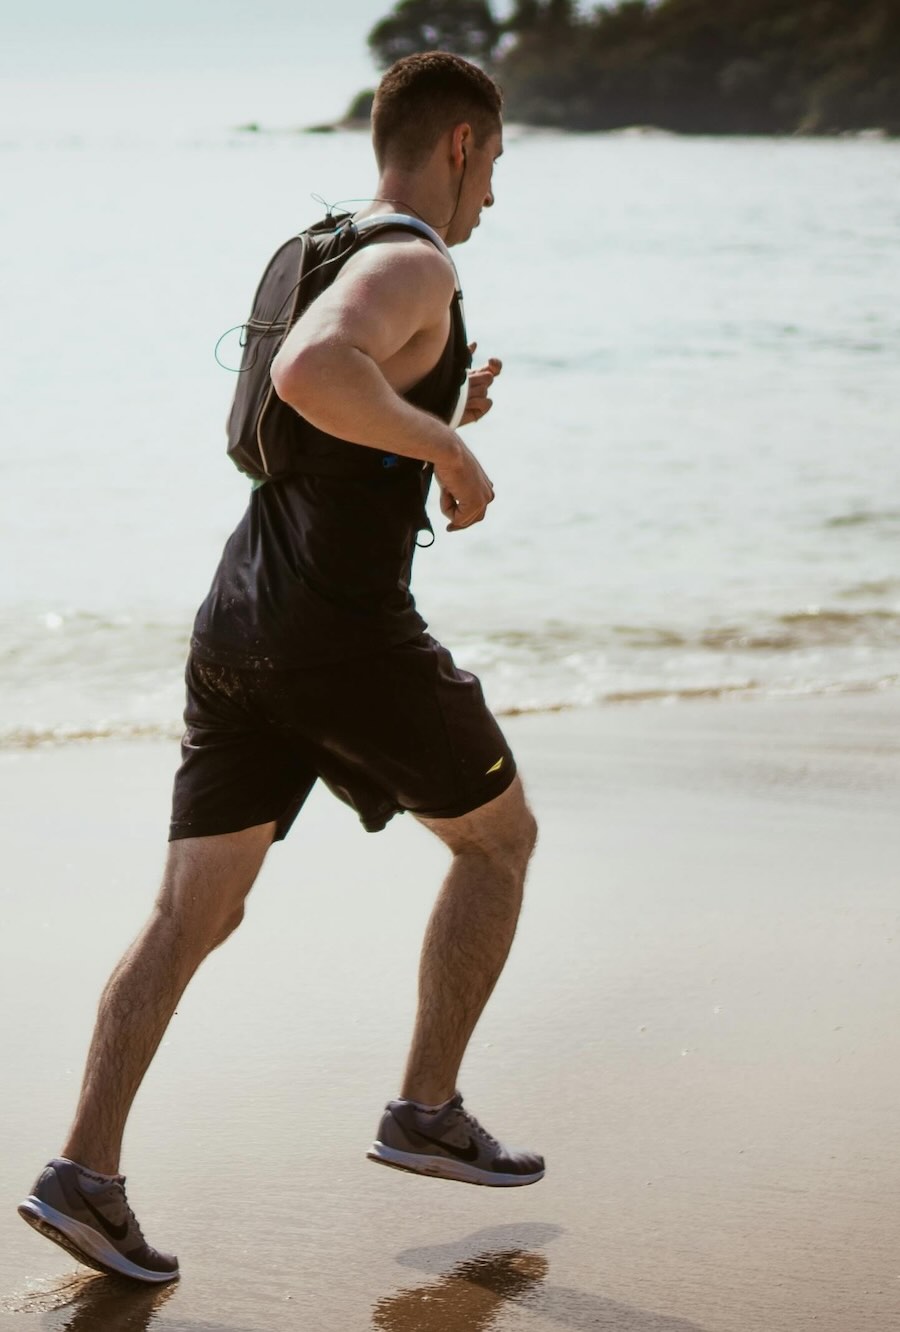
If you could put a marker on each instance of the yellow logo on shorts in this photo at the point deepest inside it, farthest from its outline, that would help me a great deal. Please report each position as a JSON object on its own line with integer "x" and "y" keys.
{"x": 496, "y": 768}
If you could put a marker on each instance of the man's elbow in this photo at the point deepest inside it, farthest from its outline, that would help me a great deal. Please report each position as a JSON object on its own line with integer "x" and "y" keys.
{"x": 292, "y": 375}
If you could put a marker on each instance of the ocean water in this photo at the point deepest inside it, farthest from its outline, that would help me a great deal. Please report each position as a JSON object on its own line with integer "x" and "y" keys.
{"x": 693, "y": 442}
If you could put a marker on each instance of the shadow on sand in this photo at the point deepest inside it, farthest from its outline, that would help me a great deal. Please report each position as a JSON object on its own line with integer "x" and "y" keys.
{"x": 481, "y": 1276}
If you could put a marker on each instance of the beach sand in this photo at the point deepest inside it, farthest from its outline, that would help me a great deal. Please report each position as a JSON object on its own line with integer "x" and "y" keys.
{"x": 698, "y": 1026}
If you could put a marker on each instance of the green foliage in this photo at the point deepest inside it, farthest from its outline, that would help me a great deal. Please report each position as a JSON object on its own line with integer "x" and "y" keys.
{"x": 467, "y": 27}
{"x": 704, "y": 66}
{"x": 557, "y": 15}
{"x": 696, "y": 66}
{"x": 360, "y": 109}
{"x": 524, "y": 16}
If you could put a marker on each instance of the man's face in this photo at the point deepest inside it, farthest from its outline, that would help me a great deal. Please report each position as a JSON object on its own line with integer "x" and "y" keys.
{"x": 477, "y": 187}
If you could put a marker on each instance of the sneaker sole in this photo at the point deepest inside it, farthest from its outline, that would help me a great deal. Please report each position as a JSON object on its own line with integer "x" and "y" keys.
{"x": 85, "y": 1244}
{"x": 444, "y": 1167}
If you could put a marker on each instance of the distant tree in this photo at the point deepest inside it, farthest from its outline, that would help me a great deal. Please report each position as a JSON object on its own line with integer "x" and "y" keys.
{"x": 704, "y": 66}
{"x": 466, "y": 27}
{"x": 695, "y": 66}
{"x": 623, "y": 22}
{"x": 524, "y": 16}
{"x": 559, "y": 14}
{"x": 360, "y": 109}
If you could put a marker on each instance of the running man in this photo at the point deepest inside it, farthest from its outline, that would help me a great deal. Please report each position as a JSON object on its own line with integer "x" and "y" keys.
{"x": 310, "y": 661}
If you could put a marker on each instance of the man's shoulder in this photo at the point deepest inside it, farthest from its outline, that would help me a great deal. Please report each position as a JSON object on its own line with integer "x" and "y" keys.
{"x": 403, "y": 256}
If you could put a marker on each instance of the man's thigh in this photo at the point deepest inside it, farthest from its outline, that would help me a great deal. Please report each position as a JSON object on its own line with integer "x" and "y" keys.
{"x": 411, "y": 726}
{"x": 237, "y": 771}
{"x": 402, "y": 729}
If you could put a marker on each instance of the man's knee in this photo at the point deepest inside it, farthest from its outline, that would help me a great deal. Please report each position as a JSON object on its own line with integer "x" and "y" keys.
{"x": 228, "y": 926}
{"x": 194, "y": 930}
{"x": 530, "y": 831}
{"x": 503, "y": 831}
{"x": 523, "y": 835}
{"x": 205, "y": 887}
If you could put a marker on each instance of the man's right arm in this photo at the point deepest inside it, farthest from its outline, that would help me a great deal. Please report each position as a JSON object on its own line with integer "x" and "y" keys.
{"x": 335, "y": 364}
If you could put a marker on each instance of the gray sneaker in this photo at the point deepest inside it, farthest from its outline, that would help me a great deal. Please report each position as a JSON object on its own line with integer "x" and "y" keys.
{"x": 90, "y": 1218}
{"x": 450, "y": 1145}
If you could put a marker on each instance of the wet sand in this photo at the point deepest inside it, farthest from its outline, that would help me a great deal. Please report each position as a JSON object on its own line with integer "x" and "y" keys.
{"x": 698, "y": 1026}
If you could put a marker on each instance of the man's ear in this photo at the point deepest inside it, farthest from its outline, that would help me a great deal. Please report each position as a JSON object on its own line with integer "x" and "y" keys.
{"x": 460, "y": 143}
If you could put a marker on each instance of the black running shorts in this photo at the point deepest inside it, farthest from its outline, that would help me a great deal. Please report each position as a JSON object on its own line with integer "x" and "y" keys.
{"x": 402, "y": 729}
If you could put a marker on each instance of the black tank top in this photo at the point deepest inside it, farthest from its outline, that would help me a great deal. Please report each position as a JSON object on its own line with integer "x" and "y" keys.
{"x": 318, "y": 569}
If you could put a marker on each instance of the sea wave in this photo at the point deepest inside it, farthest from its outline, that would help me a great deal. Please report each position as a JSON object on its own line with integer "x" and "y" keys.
{"x": 84, "y": 676}
{"x": 46, "y": 737}
{"x": 42, "y": 737}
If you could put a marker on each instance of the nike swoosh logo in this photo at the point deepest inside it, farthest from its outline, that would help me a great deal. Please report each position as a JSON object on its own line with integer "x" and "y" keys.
{"x": 496, "y": 768}
{"x": 114, "y": 1232}
{"x": 467, "y": 1153}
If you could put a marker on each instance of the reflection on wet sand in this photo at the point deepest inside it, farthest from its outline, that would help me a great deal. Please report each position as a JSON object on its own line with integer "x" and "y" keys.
{"x": 87, "y": 1304}
{"x": 469, "y": 1296}
{"x": 475, "y": 1292}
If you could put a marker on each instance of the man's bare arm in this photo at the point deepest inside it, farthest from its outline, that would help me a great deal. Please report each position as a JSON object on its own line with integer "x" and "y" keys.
{"x": 337, "y": 363}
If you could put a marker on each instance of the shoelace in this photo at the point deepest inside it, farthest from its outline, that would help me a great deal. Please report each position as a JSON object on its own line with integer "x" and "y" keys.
{"x": 478, "y": 1128}
{"x": 123, "y": 1198}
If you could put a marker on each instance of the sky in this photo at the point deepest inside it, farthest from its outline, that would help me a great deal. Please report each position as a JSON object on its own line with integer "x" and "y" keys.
{"x": 203, "y": 63}
{"x": 81, "y": 66}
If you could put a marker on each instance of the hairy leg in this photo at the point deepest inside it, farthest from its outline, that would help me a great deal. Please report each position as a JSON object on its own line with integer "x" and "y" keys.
{"x": 199, "y": 904}
{"x": 468, "y": 936}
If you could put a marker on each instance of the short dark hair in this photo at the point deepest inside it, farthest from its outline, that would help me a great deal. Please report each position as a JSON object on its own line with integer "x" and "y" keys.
{"x": 423, "y": 96}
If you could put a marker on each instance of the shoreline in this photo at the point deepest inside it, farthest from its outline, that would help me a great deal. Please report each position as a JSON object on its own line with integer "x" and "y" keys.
{"x": 48, "y": 738}
{"x": 520, "y": 129}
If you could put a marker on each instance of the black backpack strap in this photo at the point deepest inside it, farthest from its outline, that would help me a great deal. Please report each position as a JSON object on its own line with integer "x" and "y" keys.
{"x": 283, "y": 332}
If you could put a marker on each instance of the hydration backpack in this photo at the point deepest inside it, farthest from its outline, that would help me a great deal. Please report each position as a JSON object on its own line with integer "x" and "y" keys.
{"x": 268, "y": 439}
